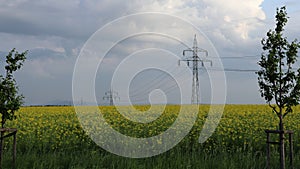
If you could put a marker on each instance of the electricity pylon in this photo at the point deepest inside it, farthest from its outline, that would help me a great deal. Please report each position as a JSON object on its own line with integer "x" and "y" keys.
{"x": 195, "y": 59}
{"x": 111, "y": 95}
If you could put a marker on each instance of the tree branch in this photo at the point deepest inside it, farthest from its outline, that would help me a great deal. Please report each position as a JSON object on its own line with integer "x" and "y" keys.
{"x": 274, "y": 109}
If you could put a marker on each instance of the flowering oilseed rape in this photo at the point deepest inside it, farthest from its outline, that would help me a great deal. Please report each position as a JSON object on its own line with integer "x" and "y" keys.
{"x": 241, "y": 127}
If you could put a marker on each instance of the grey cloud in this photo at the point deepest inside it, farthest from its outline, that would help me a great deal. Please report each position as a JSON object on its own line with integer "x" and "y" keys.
{"x": 46, "y": 26}
{"x": 70, "y": 19}
{"x": 39, "y": 53}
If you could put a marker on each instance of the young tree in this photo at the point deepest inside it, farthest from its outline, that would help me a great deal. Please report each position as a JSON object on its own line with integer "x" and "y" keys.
{"x": 10, "y": 101}
{"x": 278, "y": 81}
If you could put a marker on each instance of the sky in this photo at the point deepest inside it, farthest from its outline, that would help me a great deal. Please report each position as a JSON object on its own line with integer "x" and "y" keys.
{"x": 56, "y": 33}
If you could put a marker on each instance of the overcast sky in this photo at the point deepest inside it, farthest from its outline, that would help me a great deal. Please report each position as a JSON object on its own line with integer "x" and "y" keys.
{"x": 54, "y": 32}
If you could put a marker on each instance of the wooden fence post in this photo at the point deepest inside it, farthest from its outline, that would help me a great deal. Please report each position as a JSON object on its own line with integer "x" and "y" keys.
{"x": 268, "y": 150}
{"x": 291, "y": 149}
{"x": 12, "y": 132}
{"x": 268, "y": 132}
{"x": 1, "y": 148}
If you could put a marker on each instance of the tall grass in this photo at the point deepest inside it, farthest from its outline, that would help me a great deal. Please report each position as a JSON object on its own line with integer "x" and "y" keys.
{"x": 173, "y": 159}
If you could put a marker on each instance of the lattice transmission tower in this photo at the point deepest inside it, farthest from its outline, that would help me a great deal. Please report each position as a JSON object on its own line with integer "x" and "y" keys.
{"x": 111, "y": 96}
{"x": 195, "y": 59}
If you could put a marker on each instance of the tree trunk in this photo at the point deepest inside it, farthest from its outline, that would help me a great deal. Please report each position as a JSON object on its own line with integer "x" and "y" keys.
{"x": 281, "y": 142}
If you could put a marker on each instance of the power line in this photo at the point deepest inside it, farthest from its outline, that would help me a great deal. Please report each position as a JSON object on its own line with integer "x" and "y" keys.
{"x": 240, "y": 70}
{"x": 234, "y": 70}
{"x": 164, "y": 85}
{"x": 230, "y": 70}
{"x": 157, "y": 82}
{"x": 152, "y": 81}
{"x": 238, "y": 57}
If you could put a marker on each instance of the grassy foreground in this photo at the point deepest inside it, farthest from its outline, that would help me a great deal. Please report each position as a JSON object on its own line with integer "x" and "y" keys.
{"x": 52, "y": 137}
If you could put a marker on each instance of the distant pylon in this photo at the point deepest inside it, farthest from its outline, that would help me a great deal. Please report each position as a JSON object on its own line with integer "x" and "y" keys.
{"x": 195, "y": 59}
{"x": 111, "y": 95}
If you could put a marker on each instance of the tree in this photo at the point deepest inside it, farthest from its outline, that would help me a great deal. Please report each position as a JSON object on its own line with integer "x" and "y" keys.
{"x": 278, "y": 81}
{"x": 10, "y": 101}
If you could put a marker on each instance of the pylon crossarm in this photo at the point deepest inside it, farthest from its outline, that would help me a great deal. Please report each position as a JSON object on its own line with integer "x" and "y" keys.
{"x": 186, "y": 50}
{"x": 202, "y": 50}
{"x": 187, "y": 59}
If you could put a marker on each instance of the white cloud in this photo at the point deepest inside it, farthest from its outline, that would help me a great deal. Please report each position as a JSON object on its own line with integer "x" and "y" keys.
{"x": 79, "y": 19}
{"x": 209, "y": 14}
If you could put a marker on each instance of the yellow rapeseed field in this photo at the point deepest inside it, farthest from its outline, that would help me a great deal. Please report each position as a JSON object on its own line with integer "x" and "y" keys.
{"x": 241, "y": 127}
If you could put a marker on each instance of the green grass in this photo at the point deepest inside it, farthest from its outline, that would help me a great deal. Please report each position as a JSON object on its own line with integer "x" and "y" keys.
{"x": 97, "y": 159}
{"x": 173, "y": 159}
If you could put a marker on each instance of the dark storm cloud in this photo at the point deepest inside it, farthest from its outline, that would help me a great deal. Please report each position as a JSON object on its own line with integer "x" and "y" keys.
{"x": 69, "y": 19}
